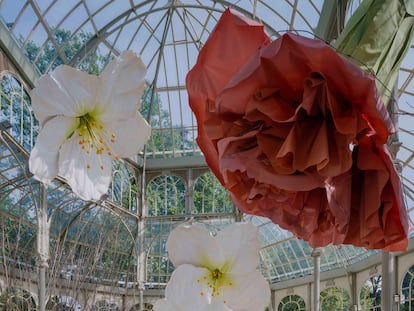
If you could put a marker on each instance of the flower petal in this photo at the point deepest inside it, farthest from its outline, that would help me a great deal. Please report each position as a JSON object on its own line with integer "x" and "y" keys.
{"x": 43, "y": 161}
{"x": 216, "y": 306}
{"x": 65, "y": 91}
{"x": 166, "y": 305}
{"x": 240, "y": 245}
{"x": 250, "y": 292}
{"x": 184, "y": 291}
{"x": 194, "y": 245}
{"x": 88, "y": 183}
{"x": 131, "y": 135}
{"x": 230, "y": 45}
{"x": 123, "y": 81}
{"x": 163, "y": 305}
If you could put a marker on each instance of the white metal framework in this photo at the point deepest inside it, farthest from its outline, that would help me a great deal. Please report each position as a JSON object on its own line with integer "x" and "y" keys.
{"x": 120, "y": 240}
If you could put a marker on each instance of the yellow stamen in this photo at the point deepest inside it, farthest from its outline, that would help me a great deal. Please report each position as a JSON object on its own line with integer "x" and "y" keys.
{"x": 94, "y": 137}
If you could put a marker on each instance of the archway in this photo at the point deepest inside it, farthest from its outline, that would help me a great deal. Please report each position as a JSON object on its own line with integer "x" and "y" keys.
{"x": 292, "y": 303}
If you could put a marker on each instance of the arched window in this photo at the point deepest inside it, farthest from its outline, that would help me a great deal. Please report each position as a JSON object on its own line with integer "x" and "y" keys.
{"x": 210, "y": 196}
{"x": 370, "y": 295}
{"x": 159, "y": 267}
{"x": 335, "y": 298}
{"x": 407, "y": 291}
{"x": 104, "y": 305}
{"x": 15, "y": 107}
{"x": 124, "y": 188}
{"x": 17, "y": 299}
{"x": 67, "y": 303}
{"x": 147, "y": 307}
{"x": 166, "y": 196}
{"x": 292, "y": 303}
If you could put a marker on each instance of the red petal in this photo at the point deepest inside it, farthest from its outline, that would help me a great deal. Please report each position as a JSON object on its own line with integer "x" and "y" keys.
{"x": 216, "y": 65}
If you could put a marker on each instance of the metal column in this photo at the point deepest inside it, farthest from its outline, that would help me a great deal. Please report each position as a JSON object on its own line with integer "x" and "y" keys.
{"x": 316, "y": 254}
{"x": 43, "y": 226}
{"x": 388, "y": 280}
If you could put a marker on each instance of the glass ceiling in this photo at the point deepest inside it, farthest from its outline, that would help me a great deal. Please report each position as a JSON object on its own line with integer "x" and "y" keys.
{"x": 168, "y": 35}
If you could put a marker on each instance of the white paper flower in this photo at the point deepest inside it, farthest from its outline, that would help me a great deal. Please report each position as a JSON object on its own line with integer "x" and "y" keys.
{"x": 183, "y": 294}
{"x": 165, "y": 305}
{"x": 222, "y": 268}
{"x": 86, "y": 122}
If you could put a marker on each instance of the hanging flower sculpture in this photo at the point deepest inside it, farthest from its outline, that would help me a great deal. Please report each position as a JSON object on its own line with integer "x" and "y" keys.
{"x": 186, "y": 305}
{"x": 378, "y": 36}
{"x": 88, "y": 121}
{"x": 215, "y": 272}
{"x": 286, "y": 129}
{"x": 183, "y": 294}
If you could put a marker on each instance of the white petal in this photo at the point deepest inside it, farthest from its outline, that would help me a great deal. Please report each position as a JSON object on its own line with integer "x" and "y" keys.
{"x": 123, "y": 81}
{"x": 88, "y": 183}
{"x": 194, "y": 245}
{"x": 250, "y": 292}
{"x": 131, "y": 135}
{"x": 240, "y": 245}
{"x": 164, "y": 305}
{"x": 66, "y": 91}
{"x": 43, "y": 161}
{"x": 184, "y": 291}
{"x": 216, "y": 306}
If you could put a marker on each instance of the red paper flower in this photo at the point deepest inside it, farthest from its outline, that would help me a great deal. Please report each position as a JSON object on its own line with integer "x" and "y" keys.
{"x": 276, "y": 122}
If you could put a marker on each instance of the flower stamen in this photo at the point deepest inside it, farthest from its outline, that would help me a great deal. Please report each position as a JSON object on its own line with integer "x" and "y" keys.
{"x": 215, "y": 279}
{"x": 94, "y": 136}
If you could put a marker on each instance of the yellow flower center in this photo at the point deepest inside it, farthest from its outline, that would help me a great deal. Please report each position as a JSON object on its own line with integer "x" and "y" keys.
{"x": 216, "y": 279}
{"x": 94, "y": 138}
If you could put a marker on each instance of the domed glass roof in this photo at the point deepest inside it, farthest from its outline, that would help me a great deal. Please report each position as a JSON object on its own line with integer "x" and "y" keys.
{"x": 168, "y": 34}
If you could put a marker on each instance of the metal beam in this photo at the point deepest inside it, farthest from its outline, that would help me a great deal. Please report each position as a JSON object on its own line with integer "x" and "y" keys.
{"x": 364, "y": 264}
{"x": 15, "y": 54}
{"x": 175, "y": 163}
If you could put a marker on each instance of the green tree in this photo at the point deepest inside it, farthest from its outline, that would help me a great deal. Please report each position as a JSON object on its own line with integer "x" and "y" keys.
{"x": 16, "y": 299}
{"x": 370, "y": 295}
{"x": 166, "y": 196}
{"x": 210, "y": 196}
{"x": 15, "y": 107}
{"x": 166, "y": 138}
{"x": 47, "y": 58}
{"x": 292, "y": 303}
{"x": 407, "y": 291}
{"x": 335, "y": 299}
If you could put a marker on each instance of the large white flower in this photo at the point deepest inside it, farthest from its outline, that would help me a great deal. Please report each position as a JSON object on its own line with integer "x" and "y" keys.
{"x": 222, "y": 268}
{"x": 166, "y": 305}
{"x": 86, "y": 122}
{"x": 183, "y": 294}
